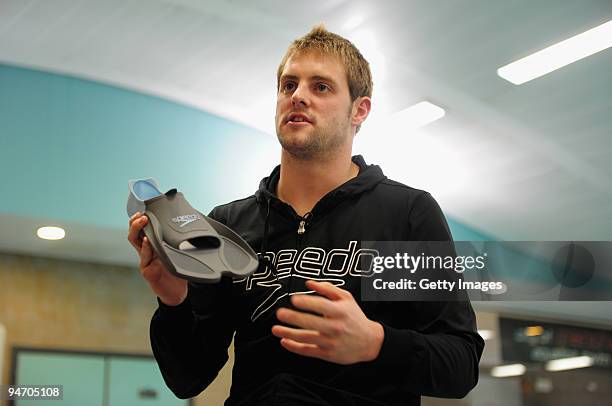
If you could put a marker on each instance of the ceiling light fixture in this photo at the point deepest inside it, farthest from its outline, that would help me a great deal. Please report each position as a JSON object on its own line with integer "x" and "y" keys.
{"x": 418, "y": 115}
{"x": 558, "y": 55}
{"x": 51, "y": 233}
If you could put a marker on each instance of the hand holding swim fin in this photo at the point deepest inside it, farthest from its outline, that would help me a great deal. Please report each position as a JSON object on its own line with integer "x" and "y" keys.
{"x": 170, "y": 289}
{"x": 187, "y": 243}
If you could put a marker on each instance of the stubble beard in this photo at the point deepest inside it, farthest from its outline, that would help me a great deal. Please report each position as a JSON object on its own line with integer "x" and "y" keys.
{"x": 321, "y": 143}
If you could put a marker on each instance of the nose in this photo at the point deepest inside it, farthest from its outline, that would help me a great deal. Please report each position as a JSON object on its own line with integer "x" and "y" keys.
{"x": 300, "y": 96}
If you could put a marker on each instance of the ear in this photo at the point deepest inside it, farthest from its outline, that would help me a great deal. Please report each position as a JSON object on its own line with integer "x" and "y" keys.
{"x": 361, "y": 109}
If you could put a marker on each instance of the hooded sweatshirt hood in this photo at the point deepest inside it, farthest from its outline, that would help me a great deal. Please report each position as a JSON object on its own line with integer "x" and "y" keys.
{"x": 369, "y": 176}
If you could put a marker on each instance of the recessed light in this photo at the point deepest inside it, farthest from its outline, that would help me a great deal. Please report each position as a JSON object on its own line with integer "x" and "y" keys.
{"x": 558, "y": 55}
{"x": 504, "y": 371}
{"x": 51, "y": 233}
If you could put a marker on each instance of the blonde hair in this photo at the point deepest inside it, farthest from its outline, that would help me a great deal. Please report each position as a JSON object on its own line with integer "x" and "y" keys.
{"x": 319, "y": 39}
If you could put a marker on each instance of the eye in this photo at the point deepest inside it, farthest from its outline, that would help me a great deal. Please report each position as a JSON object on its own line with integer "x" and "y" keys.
{"x": 288, "y": 87}
{"x": 322, "y": 87}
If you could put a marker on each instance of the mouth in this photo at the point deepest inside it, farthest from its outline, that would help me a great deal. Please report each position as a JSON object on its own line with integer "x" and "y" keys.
{"x": 297, "y": 119}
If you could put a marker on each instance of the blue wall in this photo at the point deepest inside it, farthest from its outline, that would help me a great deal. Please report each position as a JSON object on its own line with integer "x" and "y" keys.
{"x": 66, "y": 140}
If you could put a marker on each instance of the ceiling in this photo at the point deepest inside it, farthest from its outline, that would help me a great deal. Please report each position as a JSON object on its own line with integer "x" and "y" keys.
{"x": 528, "y": 162}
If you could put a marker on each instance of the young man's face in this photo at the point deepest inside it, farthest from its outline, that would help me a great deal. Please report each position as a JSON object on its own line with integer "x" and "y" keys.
{"x": 313, "y": 107}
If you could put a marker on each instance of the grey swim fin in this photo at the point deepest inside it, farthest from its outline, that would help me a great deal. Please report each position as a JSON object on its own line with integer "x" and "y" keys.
{"x": 191, "y": 245}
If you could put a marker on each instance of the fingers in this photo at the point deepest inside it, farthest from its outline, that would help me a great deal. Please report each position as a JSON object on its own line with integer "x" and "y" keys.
{"x": 302, "y": 336}
{"x": 327, "y": 289}
{"x": 136, "y": 223}
{"x": 308, "y": 350}
{"x": 317, "y": 304}
{"x": 134, "y": 217}
{"x": 146, "y": 253}
{"x": 149, "y": 269}
{"x": 307, "y": 321}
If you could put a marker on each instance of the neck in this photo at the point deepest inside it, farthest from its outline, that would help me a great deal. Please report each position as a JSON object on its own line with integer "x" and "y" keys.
{"x": 303, "y": 183}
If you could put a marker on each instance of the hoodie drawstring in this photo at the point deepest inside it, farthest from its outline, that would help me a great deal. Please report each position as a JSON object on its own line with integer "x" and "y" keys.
{"x": 264, "y": 241}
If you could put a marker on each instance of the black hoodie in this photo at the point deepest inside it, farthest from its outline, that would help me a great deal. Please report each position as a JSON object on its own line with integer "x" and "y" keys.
{"x": 429, "y": 348}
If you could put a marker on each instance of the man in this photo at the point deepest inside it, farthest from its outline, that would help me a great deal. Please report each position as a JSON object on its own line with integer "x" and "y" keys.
{"x": 303, "y": 337}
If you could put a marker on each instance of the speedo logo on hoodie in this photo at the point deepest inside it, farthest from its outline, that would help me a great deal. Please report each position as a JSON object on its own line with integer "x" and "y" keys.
{"x": 311, "y": 263}
{"x": 318, "y": 263}
{"x": 186, "y": 219}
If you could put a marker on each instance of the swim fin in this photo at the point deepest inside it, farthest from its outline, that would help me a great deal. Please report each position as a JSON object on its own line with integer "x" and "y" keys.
{"x": 191, "y": 245}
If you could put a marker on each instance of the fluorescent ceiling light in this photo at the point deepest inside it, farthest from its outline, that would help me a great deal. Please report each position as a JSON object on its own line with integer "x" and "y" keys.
{"x": 504, "y": 371}
{"x": 418, "y": 115}
{"x": 51, "y": 233}
{"x": 486, "y": 334}
{"x": 563, "y": 364}
{"x": 558, "y": 55}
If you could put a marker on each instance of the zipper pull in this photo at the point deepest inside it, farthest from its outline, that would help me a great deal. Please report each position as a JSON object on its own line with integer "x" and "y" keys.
{"x": 302, "y": 227}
